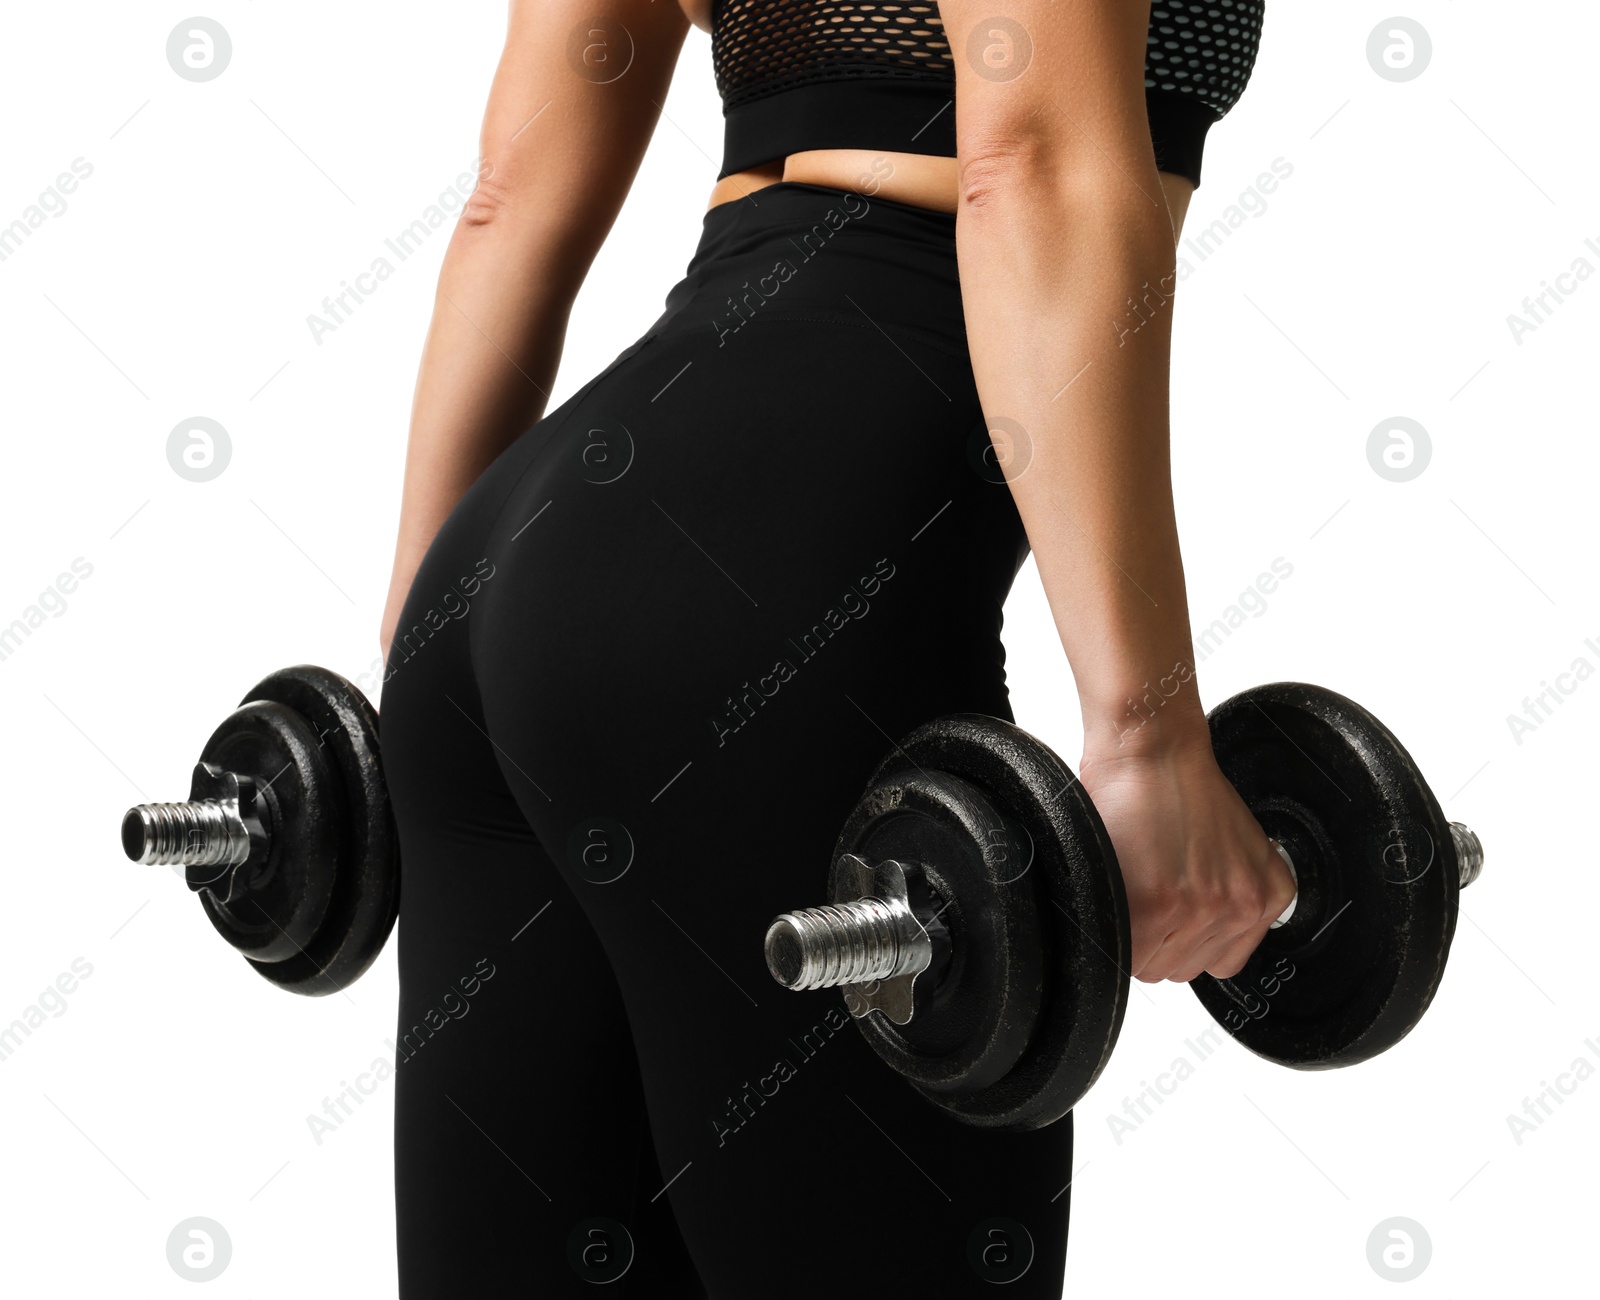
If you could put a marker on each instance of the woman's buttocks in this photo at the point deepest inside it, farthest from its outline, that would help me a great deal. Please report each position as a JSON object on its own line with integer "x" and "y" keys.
{"x": 745, "y": 477}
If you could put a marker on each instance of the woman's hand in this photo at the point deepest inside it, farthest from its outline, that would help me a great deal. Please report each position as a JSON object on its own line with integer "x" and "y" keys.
{"x": 1203, "y": 881}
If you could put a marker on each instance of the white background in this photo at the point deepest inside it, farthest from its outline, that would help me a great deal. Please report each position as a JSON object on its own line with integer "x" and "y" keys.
{"x": 1376, "y": 283}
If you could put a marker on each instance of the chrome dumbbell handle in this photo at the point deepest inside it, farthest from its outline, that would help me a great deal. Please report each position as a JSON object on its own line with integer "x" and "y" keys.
{"x": 1469, "y": 853}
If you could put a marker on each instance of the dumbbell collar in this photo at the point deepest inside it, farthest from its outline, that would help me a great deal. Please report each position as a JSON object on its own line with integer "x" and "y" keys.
{"x": 853, "y": 879}
{"x": 247, "y": 815}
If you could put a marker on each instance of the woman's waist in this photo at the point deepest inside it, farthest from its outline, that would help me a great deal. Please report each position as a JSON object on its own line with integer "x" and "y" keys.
{"x": 921, "y": 180}
{"x": 809, "y": 250}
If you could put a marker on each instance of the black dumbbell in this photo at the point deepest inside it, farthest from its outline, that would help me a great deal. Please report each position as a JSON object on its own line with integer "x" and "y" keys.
{"x": 287, "y": 835}
{"x": 978, "y": 907}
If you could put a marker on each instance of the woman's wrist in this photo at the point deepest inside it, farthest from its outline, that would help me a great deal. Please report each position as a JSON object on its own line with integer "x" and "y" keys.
{"x": 1158, "y": 715}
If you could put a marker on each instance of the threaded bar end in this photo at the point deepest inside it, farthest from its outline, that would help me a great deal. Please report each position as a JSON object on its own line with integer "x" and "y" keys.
{"x": 1469, "y": 852}
{"x": 196, "y": 833}
{"x": 838, "y": 943}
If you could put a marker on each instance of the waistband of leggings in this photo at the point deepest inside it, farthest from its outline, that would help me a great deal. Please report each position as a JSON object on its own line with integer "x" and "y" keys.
{"x": 823, "y": 249}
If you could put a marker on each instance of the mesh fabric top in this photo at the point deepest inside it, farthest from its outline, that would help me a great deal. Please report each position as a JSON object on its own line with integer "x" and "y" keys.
{"x": 837, "y": 74}
{"x": 761, "y": 47}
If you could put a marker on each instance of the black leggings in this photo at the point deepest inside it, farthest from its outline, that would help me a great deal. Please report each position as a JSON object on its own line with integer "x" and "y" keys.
{"x": 640, "y": 680}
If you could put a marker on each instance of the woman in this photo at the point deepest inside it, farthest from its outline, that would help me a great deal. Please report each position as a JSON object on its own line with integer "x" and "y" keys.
{"x": 644, "y": 651}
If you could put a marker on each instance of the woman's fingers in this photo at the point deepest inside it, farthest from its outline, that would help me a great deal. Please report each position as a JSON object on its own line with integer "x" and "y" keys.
{"x": 1153, "y": 924}
{"x": 1203, "y": 881}
{"x": 1209, "y": 924}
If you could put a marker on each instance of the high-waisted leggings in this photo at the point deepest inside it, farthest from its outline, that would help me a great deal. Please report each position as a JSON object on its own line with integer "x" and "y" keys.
{"x": 640, "y": 680}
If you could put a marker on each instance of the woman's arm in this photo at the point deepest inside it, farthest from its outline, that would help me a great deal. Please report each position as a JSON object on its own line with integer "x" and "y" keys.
{"x": 570, "y": 112}
{"x": 1067, "y": 266}
{"x": 1066, "y": 252}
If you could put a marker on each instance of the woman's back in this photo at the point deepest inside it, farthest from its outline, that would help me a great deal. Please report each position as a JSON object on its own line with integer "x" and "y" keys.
{"x": 841, "y": 83}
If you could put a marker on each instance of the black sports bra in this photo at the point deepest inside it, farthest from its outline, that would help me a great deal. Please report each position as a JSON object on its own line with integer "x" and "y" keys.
{"x": 845, "y": 74}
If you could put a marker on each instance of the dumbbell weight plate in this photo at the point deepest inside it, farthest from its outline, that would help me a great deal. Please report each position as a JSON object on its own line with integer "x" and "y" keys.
{"x": 274, "y": 906}
{"x": 365, "y": 895}
{"x": 971, "y": 1022}
{"x": 1356, "y": 966}
{"x": 1073, "y": 892}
